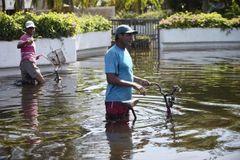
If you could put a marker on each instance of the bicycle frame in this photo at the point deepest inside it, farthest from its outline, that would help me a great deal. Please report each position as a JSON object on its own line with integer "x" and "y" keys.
{"x": 169, "y": 97}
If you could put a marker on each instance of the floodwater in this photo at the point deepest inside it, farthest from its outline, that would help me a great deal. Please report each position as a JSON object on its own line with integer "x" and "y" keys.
{"x": 66, "y": 121}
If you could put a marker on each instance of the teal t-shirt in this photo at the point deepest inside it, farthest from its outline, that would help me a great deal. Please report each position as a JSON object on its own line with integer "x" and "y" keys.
{"x": 119, "y": 62}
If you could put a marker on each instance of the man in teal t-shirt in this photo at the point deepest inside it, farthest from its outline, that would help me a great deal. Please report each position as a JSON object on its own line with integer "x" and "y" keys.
{"x": 120, "y": 78}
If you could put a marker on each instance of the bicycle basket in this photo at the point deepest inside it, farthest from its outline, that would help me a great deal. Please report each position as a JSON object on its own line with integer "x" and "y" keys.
{"x": 56, "y": 57}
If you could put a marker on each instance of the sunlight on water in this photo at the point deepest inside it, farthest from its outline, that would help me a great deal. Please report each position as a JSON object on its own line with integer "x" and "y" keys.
{"x": 67, "y": 120}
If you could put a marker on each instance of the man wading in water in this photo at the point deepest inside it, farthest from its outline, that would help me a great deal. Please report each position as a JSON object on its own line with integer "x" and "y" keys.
{"x": 120, "y": 78}
{"x": 29, "y": 70}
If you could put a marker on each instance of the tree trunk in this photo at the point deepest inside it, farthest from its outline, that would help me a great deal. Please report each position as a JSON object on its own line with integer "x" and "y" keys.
{"x": 3, "y": 5}
{"x": 205, "y": 5}
{"x": 139, "y": 6}
{"x": 71, "y": 5}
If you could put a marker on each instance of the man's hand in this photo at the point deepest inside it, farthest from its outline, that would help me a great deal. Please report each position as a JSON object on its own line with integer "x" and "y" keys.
{"x": 140, "y": 88}
{"x": 38, "y": 56}
{"x": 24, "y": 43}
{"x": 145, "y": 82}
{"x": 29, "y": 41}
{"x": 141, "y": 81}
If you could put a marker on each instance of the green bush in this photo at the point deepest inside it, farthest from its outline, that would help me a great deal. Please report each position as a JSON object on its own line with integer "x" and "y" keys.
{"x": 235, "y": 22}
{"x": 126, "y": 15}
{"x": 22, "y": 17}
{"x": 147, "y": 15}
{"x": 94, "y": 23}
{"x": 9, "y": 29}
{"x": 50, "y": 25}
{"x": 152, "y": 14}
{"x": 234, "y": 10}
{"x": 57, "y": 25}
{"x": 201, "y": 20}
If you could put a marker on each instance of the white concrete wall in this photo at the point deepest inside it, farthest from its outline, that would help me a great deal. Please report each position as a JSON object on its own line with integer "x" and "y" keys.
{"x": 92, "y": 44}
{"x": 107, "y": 12}
{"x": 67, "y": 45}
{"x": 10, "y": 56}
{"x": 93, "y": 40}
{"x": 199, "y": 38}
{"x": 81, "y": 46}
{"x": 83, "y": 43}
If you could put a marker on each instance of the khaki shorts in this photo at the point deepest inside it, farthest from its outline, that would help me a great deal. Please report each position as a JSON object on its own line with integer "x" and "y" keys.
{"x": 29, "y": 71}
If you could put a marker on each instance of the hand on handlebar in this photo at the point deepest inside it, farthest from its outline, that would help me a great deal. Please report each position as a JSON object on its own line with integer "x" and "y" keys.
{"x": 140, "y": 88}
{"x": 38, "y": 56}
{"x": 146, "y": 83}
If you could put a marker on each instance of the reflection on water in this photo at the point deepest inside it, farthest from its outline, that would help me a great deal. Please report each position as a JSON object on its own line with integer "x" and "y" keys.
{"x": 30, "y": 109}
{"x": 66, "y": 121}
{"x": 30, "y": 105}
{"x": 120, "y": 140}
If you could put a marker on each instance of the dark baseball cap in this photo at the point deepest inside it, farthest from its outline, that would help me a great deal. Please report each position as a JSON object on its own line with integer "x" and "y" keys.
{"x": 122, "y": 29}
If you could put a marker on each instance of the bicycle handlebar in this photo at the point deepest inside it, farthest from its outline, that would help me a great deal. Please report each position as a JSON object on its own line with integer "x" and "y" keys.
{"x": 169, "y": 97}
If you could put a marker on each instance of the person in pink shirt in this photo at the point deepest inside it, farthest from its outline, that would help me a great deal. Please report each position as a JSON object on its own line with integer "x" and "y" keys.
{"x": 29, "y": 71}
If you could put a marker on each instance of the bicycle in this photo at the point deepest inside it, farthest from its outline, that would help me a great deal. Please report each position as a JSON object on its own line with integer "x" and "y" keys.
{"x": 169, "y": 98}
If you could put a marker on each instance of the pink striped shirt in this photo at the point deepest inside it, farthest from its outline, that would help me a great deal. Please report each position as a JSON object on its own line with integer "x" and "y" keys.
{"x": 28, "y": 51}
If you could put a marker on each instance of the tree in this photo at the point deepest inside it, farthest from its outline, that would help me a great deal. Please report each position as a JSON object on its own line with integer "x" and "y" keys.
{"x": 58, "y": 5}
{"x": 136, "y": 6}
{"x": 220, "y": 6}
{"x": 85, "y": 3}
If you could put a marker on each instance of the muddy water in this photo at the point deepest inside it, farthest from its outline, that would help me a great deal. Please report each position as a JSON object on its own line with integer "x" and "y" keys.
{"x": 66, "y": 121}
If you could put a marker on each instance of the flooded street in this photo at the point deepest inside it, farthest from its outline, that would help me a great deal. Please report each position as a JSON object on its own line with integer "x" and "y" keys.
{"x": 66, "y": 121}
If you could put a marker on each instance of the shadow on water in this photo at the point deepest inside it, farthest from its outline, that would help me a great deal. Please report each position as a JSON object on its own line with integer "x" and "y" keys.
{"x": 66, "y": 121}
